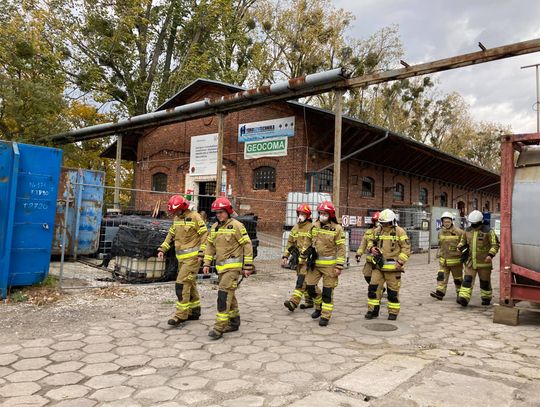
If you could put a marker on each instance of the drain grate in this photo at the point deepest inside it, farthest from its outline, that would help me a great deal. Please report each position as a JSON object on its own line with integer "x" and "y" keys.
{"x": 380, "y": 327}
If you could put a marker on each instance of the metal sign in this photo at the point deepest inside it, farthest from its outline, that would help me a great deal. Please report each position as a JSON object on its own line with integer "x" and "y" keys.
{"x": 353, "y": 220}
{"x": 345, "y": 221}
{"x": 283, "y": 127}
{"x": 203, "y": 155}
{"x": 274, "y": 147}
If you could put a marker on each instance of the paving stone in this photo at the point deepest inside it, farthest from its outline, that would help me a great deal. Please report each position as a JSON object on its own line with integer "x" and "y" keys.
{"x": 69, "y": 337}
{"x": 189, "y": 383}
{"x": 194, "y": 397}
{"x": 156, "y": 394}
{"x": 132, "y": 360}
{"x": 129, "y": 350}
{"x": 163, "y": 353}
{"x": 112, "y": 393}
{"x": 38, "y": 343}
{"x": 68, "y": 345}
{"x": 98, "y": 347}
{"x": 458, "y": 390}
{"x": 246, "y": 365}
{"x": 490, "y": 344}
{"x": 26, "y": 376}
{"x": 279, "y": 367}
{"x": 97, "y": 369}
{"x": 64, "y": 367}
{"x": 219, "y": 348}
{"x": 326, "y": 398}
{"x": 193, "y": 355}
{"x": 143, "y": 371}
{"x": 67, "y": 355}
{"x": 529, "y": 372}
{"x": 19, "y": 389}
{"x": 76, "y": 403}
{"x": 26, "y": 401}
{"x": 11, "y": 348}
{"x": 274, "y": 388}
{"x": 392, "y": 371}
{"x": 63, "y": 379}
{"x": 100, "y": 357}
{"x": 152, "y": 380}
{"x": 232, "y": 386}
{"x": 206, "y": 365}
{"x": 167, "y": 362}
{"x": 104, "y": 381}
{"x": 31, "y": 364}
{"x": 127, "y": 402}
{"x": 298, "y": 357}
{"x": 219, "y": 374}
{"x": 4, "y": 371}
{"x": 93, "y": 339}
{"x": 7, "y": 359}
{"x": 264, "y": 357}
{"x": 68, "y": 392}
{"x": 296, "y": 377}
{"x": 245, "y": 401}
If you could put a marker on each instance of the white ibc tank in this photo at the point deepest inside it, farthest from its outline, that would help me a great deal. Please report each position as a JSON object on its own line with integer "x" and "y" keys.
{"x": 526, "y": 210}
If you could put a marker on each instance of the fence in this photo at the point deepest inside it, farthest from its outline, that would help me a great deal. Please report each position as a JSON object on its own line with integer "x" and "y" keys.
{"x": 143, "y": 225}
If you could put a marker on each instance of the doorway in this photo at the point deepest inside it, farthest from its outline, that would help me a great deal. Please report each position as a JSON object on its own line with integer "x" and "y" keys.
{"x": 207, "y": 189}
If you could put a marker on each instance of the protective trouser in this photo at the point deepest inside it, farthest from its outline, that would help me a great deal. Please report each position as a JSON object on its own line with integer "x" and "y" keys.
{"x": 300, "y": 288}
{"x": 393, "y": 284}
{"x": 444, "y": 275}
{"x": 189, "y": 301}
{"x": 484, "y": 275}
{"x": 323, "y": 300}
{"x": 227, "y": 305}
{"x": 368, "y": 272}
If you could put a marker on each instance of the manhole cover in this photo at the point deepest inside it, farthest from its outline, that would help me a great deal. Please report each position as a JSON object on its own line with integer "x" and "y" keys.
{"x": 380, "y": 327}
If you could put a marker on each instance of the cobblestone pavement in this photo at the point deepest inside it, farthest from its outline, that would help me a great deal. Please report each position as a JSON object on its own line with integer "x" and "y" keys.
{"x": 436, "y": 354}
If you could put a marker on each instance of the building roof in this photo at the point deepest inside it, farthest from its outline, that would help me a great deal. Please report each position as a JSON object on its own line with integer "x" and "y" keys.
{"x": 396, "y": 151}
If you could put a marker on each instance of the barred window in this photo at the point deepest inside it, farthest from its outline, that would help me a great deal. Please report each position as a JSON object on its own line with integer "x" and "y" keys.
{"x": 475, "y": 203}
{"x": 444, "y": 199}
{"x": 399, "y": 192}
{"x": 326, "y": 181}
{"x": 423, "y": 196}
{"x": 159, "y": 182}
{"x": 264, "y": 178}
{"x": 368, "y": 187}
{"x": 486, "y": 206}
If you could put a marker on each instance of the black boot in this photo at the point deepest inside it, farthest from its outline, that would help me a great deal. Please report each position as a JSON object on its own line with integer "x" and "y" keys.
{"x": 437, "y": 294}
{"x": 234, "y": 325}
{"x": 306, "y": 305}
{"x": 462, "y": 301}
{"x": 215, "y": 334}
{"x": 316, "y": 314}
{"x": 373, "y": 313}
{"x": 323, "y": 322}
{"x": 392, "y": 317}
{"x": 291, "y": 306}
{"x": 175, "y": 321}
{"x": 486, "y": 301}
{"x": 195, "y": 314}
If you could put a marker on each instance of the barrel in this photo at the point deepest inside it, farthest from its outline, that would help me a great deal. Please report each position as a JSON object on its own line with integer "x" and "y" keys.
{"x": 526, "y": 210}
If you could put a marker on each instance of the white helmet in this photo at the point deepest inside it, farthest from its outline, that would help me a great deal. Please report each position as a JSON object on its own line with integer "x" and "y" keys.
{"x": 475, "y": 217}
{"x": 387, "y": 216}
{"x": 448, "y": 215}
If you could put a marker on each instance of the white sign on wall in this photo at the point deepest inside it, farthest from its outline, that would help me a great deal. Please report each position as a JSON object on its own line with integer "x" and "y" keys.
{"x": 203, "y": 155}
{"x": 283, "y": 127}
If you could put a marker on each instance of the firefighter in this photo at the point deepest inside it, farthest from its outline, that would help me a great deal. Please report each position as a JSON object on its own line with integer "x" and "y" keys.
{"x": 230, "y": 246}
{"x": 188, "y": 232}
{"x": 368, "y": 267}
{"x": 478, "y": 245}
{"x": 449, "y": 256}
{"x": 329, "y": 244}
{"x": 298, "y": 243}
{"x": 390, "y": 249}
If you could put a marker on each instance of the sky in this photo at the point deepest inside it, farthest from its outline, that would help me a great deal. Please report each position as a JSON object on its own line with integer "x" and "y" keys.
{"x": 497, "y": 91}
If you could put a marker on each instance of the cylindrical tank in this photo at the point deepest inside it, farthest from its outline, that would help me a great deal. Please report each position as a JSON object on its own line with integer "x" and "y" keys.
{"x": 526, "y": 210}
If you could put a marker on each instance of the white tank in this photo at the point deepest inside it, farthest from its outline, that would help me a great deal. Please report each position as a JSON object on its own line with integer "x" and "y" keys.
{"x": 526, "y": 210}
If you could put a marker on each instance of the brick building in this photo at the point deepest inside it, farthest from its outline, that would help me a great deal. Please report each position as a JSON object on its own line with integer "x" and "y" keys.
{"x": 395, "y": 172}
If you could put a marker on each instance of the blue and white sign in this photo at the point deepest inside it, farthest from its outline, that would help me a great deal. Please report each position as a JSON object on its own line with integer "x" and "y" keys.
{"x": 283, "y": 127}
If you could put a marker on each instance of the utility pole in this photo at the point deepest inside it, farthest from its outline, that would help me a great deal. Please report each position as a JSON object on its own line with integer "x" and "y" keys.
{"x": 338, "y": 110}
{"x": 537, "y": 104}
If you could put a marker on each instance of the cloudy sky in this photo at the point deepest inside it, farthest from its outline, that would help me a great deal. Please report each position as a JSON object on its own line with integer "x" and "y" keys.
{"x": 497, "y": 91}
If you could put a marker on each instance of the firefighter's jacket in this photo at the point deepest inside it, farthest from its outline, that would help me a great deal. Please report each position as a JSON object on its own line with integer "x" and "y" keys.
{"x": 368, "y": 235}
{"x": 448, "y": 253}
{"x": 329, "y": 244}
{"x": 394, "y": 245}
{"x": 189, "y": 233}
{"x": 230, "y": 246}
{"x": 482, "y": 242}
{"x": 300, "y": 237}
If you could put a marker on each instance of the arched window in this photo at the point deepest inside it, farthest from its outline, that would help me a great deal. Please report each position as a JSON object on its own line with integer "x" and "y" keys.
{"x": 368, "y": 187}
{"x": 159, "y": 182}
{"x": 325, "y": 181}
{"x": 423, "y": 196}
{"x": 399, "y": 192}
{"x": 444, "y": 199}
{"x": 264, "y": 178}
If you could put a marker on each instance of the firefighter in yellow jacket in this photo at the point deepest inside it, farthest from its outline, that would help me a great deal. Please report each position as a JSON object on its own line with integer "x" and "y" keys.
{"x": 329, "y": 245}
{"x": 230, "y": 246}
{"x": 390, "y": 249}
{"x": 188, "y": 233}
{"x": 478, "y": 246}
{"x": 368, "y": 235}
{"x": 449, "y": 256}
{"x": 297, "y": 245}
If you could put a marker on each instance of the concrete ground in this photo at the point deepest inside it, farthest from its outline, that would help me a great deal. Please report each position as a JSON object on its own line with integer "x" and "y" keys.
{"x": 88, "y": 349}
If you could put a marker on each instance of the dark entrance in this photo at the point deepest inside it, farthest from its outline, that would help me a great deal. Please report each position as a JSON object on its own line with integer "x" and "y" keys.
{"x": 206, "y": 196}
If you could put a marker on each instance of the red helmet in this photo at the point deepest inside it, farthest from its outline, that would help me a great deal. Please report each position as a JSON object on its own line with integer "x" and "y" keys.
{"x": 327, "y": 206}
{"x": 177, "y": 203}
{"x": 375, "y": 217}
{"x": 222, "y": 204}
{"x": 304, "y": 208}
